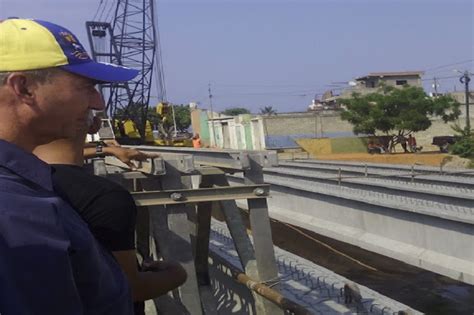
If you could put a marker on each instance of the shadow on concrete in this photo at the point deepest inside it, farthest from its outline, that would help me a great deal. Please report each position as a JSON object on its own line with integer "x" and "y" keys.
{"x": 232, "y": 297}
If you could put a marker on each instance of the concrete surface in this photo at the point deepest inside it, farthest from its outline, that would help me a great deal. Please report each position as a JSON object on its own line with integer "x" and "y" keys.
{"x": 314, "y": 287}
{"x": 432, "y": 235}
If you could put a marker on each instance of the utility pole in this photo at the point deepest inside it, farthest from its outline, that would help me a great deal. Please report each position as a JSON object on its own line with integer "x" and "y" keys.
{"x": 321, "y": 125}
{"x": 174, "y": 120}
{"x": 465, "y": 80}
{"x": 212, "y": 116}
{"x": 435, "y": 86}
{"x": 315, "y": 124}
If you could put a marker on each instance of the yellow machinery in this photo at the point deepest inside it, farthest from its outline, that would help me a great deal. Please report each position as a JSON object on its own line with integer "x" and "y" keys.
{"x": 127, "y": 131}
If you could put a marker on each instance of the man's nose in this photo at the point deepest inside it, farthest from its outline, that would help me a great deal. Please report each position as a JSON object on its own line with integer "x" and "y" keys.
{"x": 97, "y": 101}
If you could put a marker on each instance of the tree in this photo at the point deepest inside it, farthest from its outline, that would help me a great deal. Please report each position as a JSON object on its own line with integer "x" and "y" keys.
{"x": 464, "y": 145}
{"x": 268, "y": 110}
{"x": 183, "y": 117}
{"x": 165, "y": 124}
{"x": 235, "y": 111}
{"x": 396, "y": 113}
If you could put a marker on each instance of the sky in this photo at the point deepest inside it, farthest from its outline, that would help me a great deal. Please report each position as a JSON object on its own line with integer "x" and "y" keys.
{"x": 282, "y": 53}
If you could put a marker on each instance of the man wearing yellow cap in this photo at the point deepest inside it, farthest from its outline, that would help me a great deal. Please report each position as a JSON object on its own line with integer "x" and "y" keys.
{"x": 49, "y": 261}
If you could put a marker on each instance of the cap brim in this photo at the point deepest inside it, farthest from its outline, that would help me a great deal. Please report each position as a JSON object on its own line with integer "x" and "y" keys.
{"x": 104, "y": 72}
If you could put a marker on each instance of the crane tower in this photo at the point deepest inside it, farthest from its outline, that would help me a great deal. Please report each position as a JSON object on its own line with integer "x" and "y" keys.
{"x": 125, "y": 32}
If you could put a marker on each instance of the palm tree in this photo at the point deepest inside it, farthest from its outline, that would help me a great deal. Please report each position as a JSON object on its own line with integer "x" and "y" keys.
{"x": 268, "y": 110}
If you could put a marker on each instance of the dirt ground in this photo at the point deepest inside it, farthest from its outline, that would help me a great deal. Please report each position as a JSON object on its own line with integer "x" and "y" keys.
{"x": 424, "y": 158}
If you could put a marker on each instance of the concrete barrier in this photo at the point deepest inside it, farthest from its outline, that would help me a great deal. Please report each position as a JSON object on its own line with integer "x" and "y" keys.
{"x": 438, "y": 244}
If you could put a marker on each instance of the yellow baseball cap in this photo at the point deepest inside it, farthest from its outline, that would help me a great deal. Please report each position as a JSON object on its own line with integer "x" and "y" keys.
{"x": 34, "y": 44}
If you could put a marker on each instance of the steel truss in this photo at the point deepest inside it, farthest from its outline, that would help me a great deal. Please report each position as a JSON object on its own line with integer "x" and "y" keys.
{"x": 176, "y": 214}
{"x": 130, "y": 38}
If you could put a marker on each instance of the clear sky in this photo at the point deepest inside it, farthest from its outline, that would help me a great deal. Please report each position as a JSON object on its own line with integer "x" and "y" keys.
{"x": 281, "y": 53}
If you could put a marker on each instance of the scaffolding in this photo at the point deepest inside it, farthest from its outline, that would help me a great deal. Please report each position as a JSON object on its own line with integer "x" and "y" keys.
{"x": 176, "y": 194}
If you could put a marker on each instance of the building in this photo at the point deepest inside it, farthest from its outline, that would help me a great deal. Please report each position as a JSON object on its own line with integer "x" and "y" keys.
{"x": 460, "y": 96}
{"x": 372, "y": 81}
{"x": 397, "y": 79}
{"x": 328, "y": 102}
{"x": 242, "y": 132}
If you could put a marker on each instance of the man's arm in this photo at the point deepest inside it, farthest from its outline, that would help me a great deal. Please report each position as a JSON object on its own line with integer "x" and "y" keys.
{"x": 126, "y": 155}
{"x": 162, "y": 277}
{"x": 111, "y": 218}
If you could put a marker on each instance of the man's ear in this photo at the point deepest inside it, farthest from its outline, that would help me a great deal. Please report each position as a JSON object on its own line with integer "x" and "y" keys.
{"x": 22, "y": 87}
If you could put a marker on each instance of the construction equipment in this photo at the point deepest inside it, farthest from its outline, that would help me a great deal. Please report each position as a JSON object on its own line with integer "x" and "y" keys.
{"x": 126, "y": 33}
{"x": 126, "y": 132}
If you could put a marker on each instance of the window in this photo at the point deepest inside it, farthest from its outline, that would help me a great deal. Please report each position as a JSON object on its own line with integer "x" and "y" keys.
{"x": 370, "y": 84}
{"x": 401, "y": 82}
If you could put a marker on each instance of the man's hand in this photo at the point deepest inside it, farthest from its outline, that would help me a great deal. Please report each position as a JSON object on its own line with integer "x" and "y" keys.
{"x": 172, "y": 268}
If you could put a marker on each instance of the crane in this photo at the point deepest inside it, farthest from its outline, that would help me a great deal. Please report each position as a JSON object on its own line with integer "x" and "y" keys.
{"x": 125, "y": 32}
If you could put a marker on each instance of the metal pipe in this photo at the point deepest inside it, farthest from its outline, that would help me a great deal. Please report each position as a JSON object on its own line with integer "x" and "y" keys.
{"x": 267, "y": 292}
{"x": 271, "y": 294}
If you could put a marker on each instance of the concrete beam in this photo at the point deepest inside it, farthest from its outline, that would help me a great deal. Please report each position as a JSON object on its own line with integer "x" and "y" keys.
{"x": 419, "y": 238}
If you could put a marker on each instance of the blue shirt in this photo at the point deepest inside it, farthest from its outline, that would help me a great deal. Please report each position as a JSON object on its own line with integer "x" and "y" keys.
{"x": 49, "y": 261}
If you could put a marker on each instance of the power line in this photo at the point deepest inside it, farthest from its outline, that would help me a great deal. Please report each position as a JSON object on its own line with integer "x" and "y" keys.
{"x": 318, "y": 88}
{"x": 441, "y": 78}
{"x": 266, "y": 85}
{"x": 261, "y": 94}
{"x": 331, "y": 86}
{"x": 270, "y": 93}
{"x": 110, "y": 13}
{"x": 449, "y": 65}
{"x": 441, "y": 72}
{"x": 98, "y": 8}
{"x": 103, "y": 9}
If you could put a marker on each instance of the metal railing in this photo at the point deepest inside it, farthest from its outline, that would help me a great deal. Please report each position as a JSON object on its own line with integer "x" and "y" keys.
{"x": 175, "y": 194}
